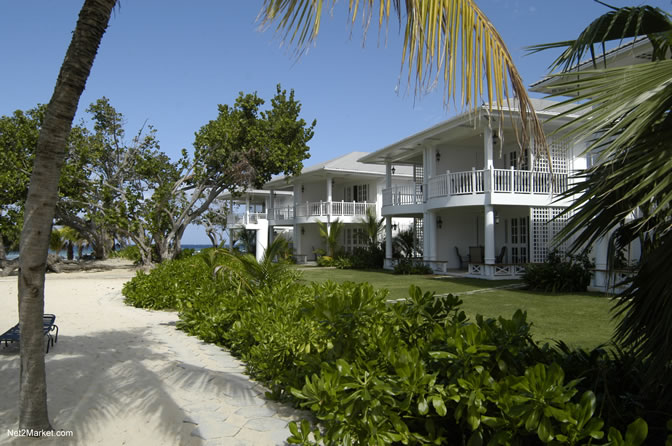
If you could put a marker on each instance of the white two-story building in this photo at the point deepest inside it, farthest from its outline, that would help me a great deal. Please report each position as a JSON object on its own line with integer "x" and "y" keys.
{"x": 339, "y": 189}
{"x": 485, "y": 203}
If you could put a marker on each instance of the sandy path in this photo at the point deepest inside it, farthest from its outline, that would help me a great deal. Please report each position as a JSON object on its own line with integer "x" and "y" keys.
{"x": 122, "y": 375}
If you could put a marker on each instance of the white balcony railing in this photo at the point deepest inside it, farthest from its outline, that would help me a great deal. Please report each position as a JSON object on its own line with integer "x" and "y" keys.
{"x": 479, "y": 182}
{"x": 245, "y": 219}
{"x": 403, "y": 194}
{"x": 321, "y": 209}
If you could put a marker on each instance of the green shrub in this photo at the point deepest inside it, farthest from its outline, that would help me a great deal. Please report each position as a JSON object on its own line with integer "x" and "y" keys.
{"x": 371, "y": 257}
{"x": 411, "y": 372}
{"x": 406, "y": 266}
{"x": 325, "y": 261}
{"x": 131, "y": 252}
{"x": 559, "y": 274}
{"x": 170, "y": 283}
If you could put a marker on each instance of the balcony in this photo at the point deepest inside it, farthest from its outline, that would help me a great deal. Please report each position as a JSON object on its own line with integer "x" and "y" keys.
{"x": 497, "y": 182}
{"x": 246, "y": 218}
{"x": 403, "y": 195}
{"x": 318, "y": 209}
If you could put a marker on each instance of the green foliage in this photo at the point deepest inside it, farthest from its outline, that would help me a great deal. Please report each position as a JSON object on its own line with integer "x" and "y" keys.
{"x": 624, "y": 113}
{"x": 170, "y": 284}
{"x": 407, "y": 245}
{"x": 371, "y": 257}
{"x": 131, "y": 252}
{"x": 330, "y": 233}
{"x": 405, "y": 266}
{"x": 413, "y": 372}
{"x": 560, "y": 273}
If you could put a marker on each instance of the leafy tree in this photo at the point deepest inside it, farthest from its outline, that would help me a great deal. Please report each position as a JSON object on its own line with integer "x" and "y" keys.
{"x": 18, "y": 138}
{"x": 214, "y": 222}
{"x": 91, "y": 203}
{"x": 330, "y": 232}
{"x": 626, "y": 115}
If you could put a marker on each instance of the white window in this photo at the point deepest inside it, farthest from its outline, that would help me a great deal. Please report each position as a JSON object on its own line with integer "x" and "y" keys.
{"x": 354, "y": 238}
{"x": 358, "y": 193}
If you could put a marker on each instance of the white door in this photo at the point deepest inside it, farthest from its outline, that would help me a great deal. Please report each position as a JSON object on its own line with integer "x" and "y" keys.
{"x": 519, "y": 238}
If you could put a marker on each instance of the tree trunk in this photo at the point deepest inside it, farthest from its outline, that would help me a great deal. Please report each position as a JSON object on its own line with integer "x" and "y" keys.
{"x": 40, "y": 207}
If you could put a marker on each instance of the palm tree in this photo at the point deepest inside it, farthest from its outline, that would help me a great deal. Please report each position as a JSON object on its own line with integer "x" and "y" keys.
{"x": 439, "y": 37}
{"x": 372, "y": 226}
{"x": 626, "y": 117}
{"x": 330, "y": 234}
{"x": 407, "y": 244}
{"x": 40, "y": 206}
{"x": 435, "y": 33}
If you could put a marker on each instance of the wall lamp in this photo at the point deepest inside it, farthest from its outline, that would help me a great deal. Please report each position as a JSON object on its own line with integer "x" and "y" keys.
{"x": 303, "y": 188}
{"x": 393, "y": 170}
{"x": 496, "y": 218}
{"x": 439, "y": 222}
{"x": 303, "y": 230}
{"x": 438, "y": 156}
{"x": 495, "y": 138}
{"x": 394, "y": 226}
{"x": 333, "y": 182}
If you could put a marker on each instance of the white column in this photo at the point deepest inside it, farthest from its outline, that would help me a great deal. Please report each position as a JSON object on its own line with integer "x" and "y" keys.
{"x": 487, "y": 148}
{"x": 601, "y": 277}
{"x": 388, "y": 175}
{"x": 329, "y": 194}
{"x": 487, "y": 159}
{"x": 297, "y": 239}
{"x": 428, "y": 224}
{"x": 388, "y": 238}
{"x": 230, "y": 223}
{"x": 247, "y": 209}
{"x": 262, "y": 239}
{"x": 489, "y": 231}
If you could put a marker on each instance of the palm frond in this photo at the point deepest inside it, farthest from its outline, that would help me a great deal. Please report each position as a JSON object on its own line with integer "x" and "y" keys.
{"x": 619, "y": 104}
{"x": 439, "y": 35}
{"x": 617, "y": 24}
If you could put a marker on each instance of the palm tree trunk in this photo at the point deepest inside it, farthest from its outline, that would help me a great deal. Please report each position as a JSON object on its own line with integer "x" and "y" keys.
{"x": 40, "y": 207}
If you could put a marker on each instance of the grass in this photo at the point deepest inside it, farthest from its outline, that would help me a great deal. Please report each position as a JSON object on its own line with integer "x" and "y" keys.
{"x": 579, "y": 319}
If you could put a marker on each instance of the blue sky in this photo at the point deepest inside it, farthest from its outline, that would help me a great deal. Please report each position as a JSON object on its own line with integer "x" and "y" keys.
{"x": 171, "y": 62}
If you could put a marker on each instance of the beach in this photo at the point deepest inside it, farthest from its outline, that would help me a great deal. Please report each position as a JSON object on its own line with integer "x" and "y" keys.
{"x": 123, "y": 375}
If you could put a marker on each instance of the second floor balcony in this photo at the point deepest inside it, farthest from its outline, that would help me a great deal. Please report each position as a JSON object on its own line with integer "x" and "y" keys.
{"x": 248, "y": 218}
{"x": 322, "y": 210}
{"x": 501, "y": 183}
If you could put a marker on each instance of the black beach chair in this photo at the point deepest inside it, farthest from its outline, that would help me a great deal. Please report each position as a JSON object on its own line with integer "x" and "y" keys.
{"x": 49, "y": 328}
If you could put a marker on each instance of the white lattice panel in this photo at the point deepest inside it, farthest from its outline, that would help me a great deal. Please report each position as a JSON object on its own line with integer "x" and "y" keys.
{"x": 543, "y": 230}
{"x": 559, "y": 150}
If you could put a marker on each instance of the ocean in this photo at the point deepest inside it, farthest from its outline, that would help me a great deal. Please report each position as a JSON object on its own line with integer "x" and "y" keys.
{"x": 87, "y": 251}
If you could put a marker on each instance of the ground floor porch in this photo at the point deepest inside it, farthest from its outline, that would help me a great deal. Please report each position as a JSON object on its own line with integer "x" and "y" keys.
{"x": 488, "y": 242}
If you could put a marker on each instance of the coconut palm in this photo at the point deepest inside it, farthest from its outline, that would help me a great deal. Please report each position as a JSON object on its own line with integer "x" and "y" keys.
{"x": 372, "y": 226}
{"x": 407, "y": 244}
{"x": 626, "y": 116}
{"x": 40, "y": 206}
{"x": 439, "y": 37}
{"x": 330, "y": 233}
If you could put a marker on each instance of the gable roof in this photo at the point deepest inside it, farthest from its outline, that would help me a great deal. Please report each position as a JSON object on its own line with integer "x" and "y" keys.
{"x": 345, "y": 165}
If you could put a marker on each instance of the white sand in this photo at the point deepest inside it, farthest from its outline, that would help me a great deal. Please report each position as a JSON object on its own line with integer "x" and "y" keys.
{"x": 125, "y": 376}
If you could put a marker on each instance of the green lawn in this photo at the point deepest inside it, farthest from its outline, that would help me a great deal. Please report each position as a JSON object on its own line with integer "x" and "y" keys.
{"x": 579, "y": 319}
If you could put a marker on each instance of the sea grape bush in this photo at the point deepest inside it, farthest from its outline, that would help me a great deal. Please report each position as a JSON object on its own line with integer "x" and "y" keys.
{"x": 411, "y": 372}
{"x": 559, "y": 273}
